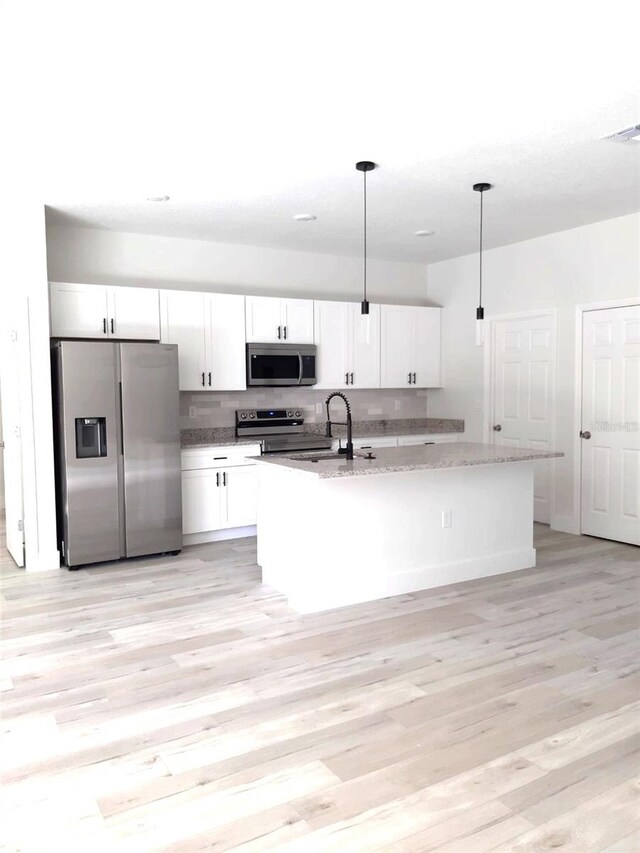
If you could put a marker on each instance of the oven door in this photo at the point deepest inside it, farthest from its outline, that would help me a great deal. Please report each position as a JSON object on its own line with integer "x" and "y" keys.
{"x": 281, "y": 364}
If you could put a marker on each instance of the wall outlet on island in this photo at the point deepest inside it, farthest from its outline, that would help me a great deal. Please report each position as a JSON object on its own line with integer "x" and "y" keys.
{"x": 193, "y": 412}
{"x": 446, "y": 518}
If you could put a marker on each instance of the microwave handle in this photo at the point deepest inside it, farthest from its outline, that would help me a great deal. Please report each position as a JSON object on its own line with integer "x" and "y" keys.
{"x": 300, "y": 368}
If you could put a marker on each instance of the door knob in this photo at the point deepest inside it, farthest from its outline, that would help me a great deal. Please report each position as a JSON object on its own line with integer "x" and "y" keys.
{"x": 585, "y": 434}
{"x": 497, "y": 427}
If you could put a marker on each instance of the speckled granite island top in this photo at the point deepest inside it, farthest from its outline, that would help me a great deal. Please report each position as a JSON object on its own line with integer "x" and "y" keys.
{"x": 397, "y": 459}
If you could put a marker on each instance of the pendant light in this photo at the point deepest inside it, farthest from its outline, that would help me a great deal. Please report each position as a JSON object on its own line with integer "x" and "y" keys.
{"x": 480, "y": 188}
{"x": 365, "y": 166}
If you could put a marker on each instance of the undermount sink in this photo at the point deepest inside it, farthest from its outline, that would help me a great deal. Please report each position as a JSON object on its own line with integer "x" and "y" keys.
{"x": 316, "y": 457}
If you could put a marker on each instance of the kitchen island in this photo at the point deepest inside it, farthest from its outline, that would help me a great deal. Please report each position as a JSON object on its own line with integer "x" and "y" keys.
{"x": 333, "y": 532}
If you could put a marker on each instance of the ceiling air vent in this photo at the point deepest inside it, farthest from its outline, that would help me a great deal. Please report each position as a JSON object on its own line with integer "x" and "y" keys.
{"x": 630, "y": 135}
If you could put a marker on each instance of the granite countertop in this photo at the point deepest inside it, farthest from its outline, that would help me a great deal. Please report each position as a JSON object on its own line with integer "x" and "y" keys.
{"x": 415, "y": 458}
{"x": 225, "y": 436}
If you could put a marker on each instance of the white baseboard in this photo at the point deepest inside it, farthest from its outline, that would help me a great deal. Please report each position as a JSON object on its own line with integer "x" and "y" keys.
{"x": 565, "y": 524}
{"x": 218, "y": 535}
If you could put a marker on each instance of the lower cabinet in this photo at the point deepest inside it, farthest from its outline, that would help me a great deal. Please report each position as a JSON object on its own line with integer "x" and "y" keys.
{"x": 219, "y": 490}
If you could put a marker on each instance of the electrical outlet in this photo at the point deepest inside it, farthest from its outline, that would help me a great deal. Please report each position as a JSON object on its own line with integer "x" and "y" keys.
{"x": 192, "y": 411}
{"x": 446, "y": 518}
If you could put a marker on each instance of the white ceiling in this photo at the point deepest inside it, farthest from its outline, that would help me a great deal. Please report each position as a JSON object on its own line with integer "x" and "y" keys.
{"x": 246, "y": 113}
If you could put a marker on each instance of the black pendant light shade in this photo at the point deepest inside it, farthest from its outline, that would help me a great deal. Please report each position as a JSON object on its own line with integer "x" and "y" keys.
{"x": 480, "y": 188}
{"x": 364, "y": 166}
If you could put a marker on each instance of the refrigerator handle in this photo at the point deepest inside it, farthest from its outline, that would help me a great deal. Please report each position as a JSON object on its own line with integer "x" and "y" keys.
{"x": 121, "y": 421}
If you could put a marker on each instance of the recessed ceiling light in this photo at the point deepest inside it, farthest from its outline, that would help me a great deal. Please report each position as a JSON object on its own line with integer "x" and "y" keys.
{"x": 424, "y": 233}
{"x": 305, "y": 217}
{"x": 157, "y": 198}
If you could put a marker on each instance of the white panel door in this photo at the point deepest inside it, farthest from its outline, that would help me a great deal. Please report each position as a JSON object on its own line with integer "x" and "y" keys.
{"x": 185, "y": 322}
{"x": 297, "y": 320}
{"x": 264, "y": 320}
{"x": 78, "y": 310}
{"x": 240, "y": 496}
{"x": 226, "y": 361}
{"x": 523, "y": 392}
{"x": 364, "y": 335}
{"x": 202, "y": 504}
{"x": 396, "y": 346}
{"x": 332, "y": 340}
{"x": 134, "y": 312}
{"x": 610, "y": 505}
{"x": 10, "y": 402}
{"x": 426, "y": 356}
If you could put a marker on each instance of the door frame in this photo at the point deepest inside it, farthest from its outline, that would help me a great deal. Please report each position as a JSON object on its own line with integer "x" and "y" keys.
{"x": 489, "y": 378}
{"x": 581, "y": 310}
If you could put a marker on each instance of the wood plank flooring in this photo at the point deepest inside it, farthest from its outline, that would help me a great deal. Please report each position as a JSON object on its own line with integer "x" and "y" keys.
{"x": 175, "y": 704}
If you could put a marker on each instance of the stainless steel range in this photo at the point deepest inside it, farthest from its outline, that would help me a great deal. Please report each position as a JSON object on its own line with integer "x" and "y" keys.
{"x": 278, "y": 430}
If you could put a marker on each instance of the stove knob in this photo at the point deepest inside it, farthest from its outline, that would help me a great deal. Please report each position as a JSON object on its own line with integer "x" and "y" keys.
{"x": 243, "y": 416}
{"x": 297, "y": 414}
{"x": 289, "y": 414}
{"x": 252, "y": 415}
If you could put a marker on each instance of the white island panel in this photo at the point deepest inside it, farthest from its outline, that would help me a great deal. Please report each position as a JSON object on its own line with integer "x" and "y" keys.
{"x": 330, "y": 542}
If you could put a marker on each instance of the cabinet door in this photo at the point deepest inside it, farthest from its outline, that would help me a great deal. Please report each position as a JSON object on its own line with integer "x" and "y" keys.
{"x": 264, "y": 319}
{"x": 332, "y": 339}
{"x": 426, "y": 347}
{"x": 134, "y": 312}
{"x": 202, "y": 500}
{"x": 240, "y": 496}
{"x": 297, "y": 318}
{"x": 78, "y": 310}
{"x": 364, "y": 333}
{"x": 226, "y": 361}
{"x": 396, "y": 346}
{"x": 185, "y": 322}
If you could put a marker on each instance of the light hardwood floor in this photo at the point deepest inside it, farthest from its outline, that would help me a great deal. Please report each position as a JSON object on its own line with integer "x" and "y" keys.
{"x": 175, "y": 704}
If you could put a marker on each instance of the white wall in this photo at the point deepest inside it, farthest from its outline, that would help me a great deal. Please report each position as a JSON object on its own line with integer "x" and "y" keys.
{"x": 110, "y": 257}
{"x": 1, "y": 460}
{"x": 583, "y": 265}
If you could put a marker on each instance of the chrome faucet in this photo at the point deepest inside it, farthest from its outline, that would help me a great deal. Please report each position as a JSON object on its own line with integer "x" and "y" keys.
{"x": 348, "y": 450}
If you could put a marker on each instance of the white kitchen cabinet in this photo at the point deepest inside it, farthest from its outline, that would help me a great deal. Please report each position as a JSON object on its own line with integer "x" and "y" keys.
{"x": 219, "y": 490}
{"x": 410, "y": 346}
{"x": 98, "y": 311}
{"x": 270, "y": 319}
{"x": 209, "y": 331}
{"x": 201, "y": 501}
{"x": 240, "y": 496}
{"x": 348, "y": 345}
{"x": 134, "y": 313}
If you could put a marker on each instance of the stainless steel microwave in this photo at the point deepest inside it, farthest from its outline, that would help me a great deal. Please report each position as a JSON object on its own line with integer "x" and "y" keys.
{"x": 281, "y": 364}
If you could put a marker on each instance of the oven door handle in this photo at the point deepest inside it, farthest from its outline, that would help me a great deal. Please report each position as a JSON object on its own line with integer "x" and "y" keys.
{"x": 300, "y": 368}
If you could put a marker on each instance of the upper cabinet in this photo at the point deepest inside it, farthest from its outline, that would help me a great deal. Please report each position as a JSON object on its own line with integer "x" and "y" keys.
{"x": 98, "y": 311}
{"x": 271, "y": 319}
{"x": 209, "y": 331}
{"x": 410, "y": 346}
{"x": 348, "y": 345}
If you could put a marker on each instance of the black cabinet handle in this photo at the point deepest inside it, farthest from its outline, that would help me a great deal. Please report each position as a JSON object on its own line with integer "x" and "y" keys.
{"x": 104, "y": 325}
{"x": 279, "y": 332}
{"x": 346, "y": 379}
{"x": 224, "y": 478}
{"x": 285, "y": 333}
{"x": 414, "y": 379}
{"x": 217, "y": 478}
{"x": 352, "y": 378}
{"x": 409, "y": 379}
{"x": 113, "y": 328}
{"x": 209, "y": 378}
{"x": 203, "y": 377}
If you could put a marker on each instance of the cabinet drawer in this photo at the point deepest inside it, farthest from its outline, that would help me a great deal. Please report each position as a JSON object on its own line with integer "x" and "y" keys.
{"x": 218, "y": 457}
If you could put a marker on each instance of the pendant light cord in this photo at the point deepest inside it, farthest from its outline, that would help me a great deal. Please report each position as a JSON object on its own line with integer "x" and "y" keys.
{"x": 365, "y": 236}
{"x": 481, "y": 218}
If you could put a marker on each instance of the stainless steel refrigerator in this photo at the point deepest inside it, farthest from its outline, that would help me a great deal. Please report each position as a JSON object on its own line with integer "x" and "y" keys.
{"x": 116, "y": 410}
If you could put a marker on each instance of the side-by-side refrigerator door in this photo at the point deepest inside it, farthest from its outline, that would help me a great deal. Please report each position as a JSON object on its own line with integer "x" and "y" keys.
{"x": 85, "y": 377}
{"x": 151, "y": 448}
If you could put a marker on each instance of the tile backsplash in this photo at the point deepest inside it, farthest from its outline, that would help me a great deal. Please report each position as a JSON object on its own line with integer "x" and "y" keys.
{"x": 200, "y": 410}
